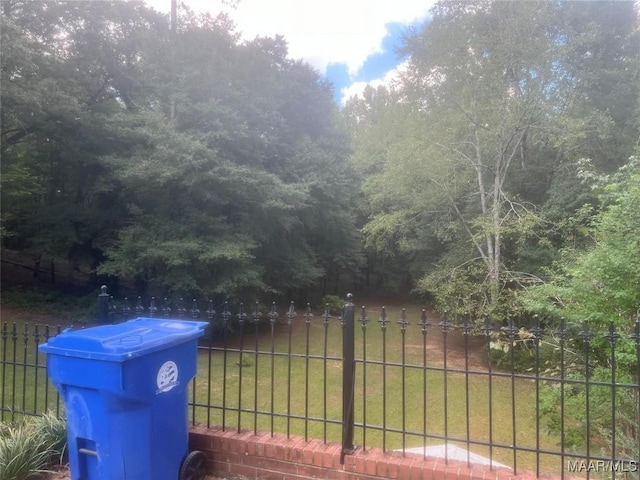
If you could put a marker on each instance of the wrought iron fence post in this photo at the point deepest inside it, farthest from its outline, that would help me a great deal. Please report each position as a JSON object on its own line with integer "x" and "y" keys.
{"x": 348, "y": 377}
{"x": 103, "y": 306}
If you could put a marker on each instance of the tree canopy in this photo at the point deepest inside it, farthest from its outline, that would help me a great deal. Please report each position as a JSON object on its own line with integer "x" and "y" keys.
{"x": 188, "y": 161}
{"x": 191, "y": 160}
{"x": 470, "y": 160}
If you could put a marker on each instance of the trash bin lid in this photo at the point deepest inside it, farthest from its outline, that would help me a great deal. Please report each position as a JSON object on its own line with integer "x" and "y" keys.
{"x": 123, "y": 341}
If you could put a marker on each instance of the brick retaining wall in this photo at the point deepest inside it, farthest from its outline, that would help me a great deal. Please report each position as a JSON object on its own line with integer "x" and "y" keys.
{"x": 278, "y": 458}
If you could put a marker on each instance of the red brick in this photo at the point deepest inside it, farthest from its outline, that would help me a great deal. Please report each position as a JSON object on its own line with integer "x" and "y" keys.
{"x": 284, "y": 448}
{"x": 438, "y": 469}
{"x": 216, "y": 438}
{"x": 216, "y": 429}
{"x": 245, "y": 470}
{"x": 216, "y": 443}
{"x": 199, "y": 431}
{"x": 252, "y": 444}
{"x": 349, "y": 463}
{"x": 334, "y": 474}
{"x": 279, "y": 447}
{"x": 360, "y": 458}
{"x": 404, "y": 468}
{"x": 479, "y": 472}
{"x": 261, "y": 444}
{"x": 311, "y": 471}
{"x": 227, "y": 435}
{"x": 370, "y": 464}
{"x": 270, "y": 447}
{"x": 318, "y": 455}
{"x": 297, "y": 451}
{"x": 229, "y": 432}
{"x": 236, "y": 445}
{"x": 286, "y": 468}
{"x": 234, "y": 458}
{"x": 271, "y": 475}
{"x": 220, "y": 467}
{"x": 393, "y": 464}
{"x": 293, "y": 448}
{"x": 331, "y": 456}
{"x": 258, "y": 462}
{"x": 382, "y": 461}
{"x": 307, "y": 455}
{"x": 504, "y": 474}
{"x": 309, "y": 449}
{"x": 223, "y": 438}
{"x": 244, "y": 439}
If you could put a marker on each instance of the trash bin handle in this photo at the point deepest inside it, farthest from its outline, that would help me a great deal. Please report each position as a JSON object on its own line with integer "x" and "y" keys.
{"x": 131, "y": 340}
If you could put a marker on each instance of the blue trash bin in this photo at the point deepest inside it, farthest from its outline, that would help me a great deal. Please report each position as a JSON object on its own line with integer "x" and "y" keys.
{"x": 125, "y": 388}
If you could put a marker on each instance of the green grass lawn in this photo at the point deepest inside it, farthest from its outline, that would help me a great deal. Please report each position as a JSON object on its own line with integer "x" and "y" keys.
{"x": 390, "y": 396}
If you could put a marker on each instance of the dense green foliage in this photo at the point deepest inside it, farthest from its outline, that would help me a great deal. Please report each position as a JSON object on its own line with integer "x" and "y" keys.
{"x": 470, "y": 161}
{"x": 600, "y": 283}
{"x": 187, "y": 161}
{"x": 192, "y": 161}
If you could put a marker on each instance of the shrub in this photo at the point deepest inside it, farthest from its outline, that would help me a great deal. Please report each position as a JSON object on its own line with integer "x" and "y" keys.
{"x": 524, "y": 352}
{"x": 600, "y": 428}
{"x": 28, "y": 448}
{"x": 23, "y": 453}
{"x": 54, "y": 432}
{"x": 334, "y": 302}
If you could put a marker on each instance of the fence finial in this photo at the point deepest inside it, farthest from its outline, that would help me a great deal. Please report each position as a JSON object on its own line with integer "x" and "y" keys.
{"x": 103, "y": 305}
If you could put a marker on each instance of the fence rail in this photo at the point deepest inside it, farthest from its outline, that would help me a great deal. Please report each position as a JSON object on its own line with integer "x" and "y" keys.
{"x": 551, "y": 400}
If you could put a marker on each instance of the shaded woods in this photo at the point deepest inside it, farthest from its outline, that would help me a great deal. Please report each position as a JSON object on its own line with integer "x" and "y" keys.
{"x": 486, "y": 179}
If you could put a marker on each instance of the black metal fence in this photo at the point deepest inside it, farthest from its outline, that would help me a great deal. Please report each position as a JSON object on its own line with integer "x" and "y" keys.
{"x": 554, "y": 400}
{"x": 26, "y": 389}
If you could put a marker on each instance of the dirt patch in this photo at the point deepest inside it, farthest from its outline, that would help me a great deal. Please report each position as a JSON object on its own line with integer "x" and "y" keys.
{"x": 461, "y": 351}
{"x": 58, "y": 473}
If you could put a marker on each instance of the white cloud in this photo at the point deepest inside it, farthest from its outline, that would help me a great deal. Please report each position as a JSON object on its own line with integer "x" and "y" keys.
{"x": 356, "y": 88}
{"x": 320, "y": 32}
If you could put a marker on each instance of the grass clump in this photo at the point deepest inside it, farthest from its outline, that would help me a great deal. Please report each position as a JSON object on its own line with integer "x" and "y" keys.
{"x": 29, "y": 448}
{"x": 53, "y": 430}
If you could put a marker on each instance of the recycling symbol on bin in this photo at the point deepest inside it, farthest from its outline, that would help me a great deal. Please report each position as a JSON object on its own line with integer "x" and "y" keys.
{"x": 167, "y": 377}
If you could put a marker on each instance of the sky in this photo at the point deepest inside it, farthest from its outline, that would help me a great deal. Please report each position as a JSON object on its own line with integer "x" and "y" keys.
{"x": 351, "y": 42}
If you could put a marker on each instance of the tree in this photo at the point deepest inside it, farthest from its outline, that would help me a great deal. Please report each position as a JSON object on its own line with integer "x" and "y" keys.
{"x": 490, "y": 95}
{"x": 378, "y": 123}
{"x": 71, "y": 83}
{"x": 601, "y": 58}
{"x": 187, "y": 161}
{"x": 597, "y": 286}
{"x": 600, "y": 283}
{"x": 245, "y": 178}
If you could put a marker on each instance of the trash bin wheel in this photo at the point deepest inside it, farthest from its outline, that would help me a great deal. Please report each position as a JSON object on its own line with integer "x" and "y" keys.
{"x": 193, "y": 467}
